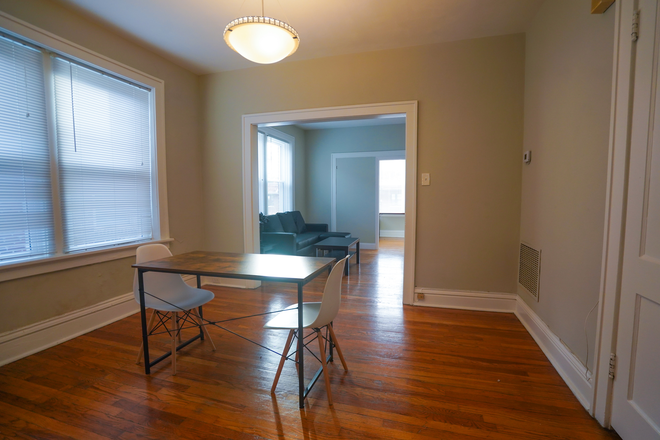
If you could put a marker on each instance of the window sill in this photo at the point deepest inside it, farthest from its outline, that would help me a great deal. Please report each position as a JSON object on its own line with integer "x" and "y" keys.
{"x": 63, "y": 262}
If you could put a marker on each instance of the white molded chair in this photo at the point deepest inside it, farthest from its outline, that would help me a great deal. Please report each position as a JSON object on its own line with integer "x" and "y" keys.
{"x": 172, "y": 299}
{"x": 316, "y": 315}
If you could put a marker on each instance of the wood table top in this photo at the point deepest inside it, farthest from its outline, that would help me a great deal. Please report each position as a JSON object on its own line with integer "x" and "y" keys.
{"x": 265, "y": 267}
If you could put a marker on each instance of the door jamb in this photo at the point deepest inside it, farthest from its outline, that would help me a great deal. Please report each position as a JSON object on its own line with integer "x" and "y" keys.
{"x": 615, "y": 211}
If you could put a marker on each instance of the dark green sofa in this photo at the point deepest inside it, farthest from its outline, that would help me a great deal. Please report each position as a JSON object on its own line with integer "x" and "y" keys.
{"x": 287, "y": 233}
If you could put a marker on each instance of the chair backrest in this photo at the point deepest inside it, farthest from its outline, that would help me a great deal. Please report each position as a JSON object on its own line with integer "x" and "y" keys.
{"x": 161, "y": 284}
{"x": 331, "y": 296}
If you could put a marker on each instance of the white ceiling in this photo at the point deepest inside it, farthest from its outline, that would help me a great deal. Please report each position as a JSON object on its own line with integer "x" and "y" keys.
{"x": 189, "y": 32}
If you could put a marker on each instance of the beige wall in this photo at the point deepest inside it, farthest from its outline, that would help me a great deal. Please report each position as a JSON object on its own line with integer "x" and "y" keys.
{"x": 470, "y": 97}
{"x": 567, "y": 106}
{"x": 30, "y": 300}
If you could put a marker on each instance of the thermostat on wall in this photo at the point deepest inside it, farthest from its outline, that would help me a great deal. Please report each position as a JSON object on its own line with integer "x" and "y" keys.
{"x": 527, "y": 156}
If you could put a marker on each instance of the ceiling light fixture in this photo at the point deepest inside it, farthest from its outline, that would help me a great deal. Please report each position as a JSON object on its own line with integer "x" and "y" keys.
{"x": 262, "y": 40}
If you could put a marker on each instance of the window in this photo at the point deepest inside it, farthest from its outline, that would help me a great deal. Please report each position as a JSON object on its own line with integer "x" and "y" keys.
{"x": 77, "y": 165}
{"x": 26, "y": 219}
{"x": 392, "y": 186}
{"x": 275, "y": 172}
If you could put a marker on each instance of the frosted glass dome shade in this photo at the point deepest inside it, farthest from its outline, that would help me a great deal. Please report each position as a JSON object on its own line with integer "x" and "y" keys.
{"x": 261, "y": 40}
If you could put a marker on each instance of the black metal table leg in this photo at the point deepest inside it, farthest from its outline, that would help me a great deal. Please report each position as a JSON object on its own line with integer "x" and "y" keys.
{"x": 199, "y": 310}
{"x": 143, "y": 316}
{"x": 301, "y": 352}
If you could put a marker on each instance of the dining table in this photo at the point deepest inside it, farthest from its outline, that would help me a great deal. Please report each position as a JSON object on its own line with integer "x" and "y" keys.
{"x": 297, "y": 270}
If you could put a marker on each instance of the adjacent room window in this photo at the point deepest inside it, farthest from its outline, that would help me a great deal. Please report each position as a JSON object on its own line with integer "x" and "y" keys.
{"x": 392, "y": 186}
{"x": 275, "y": 172}
{"x": 76, "y": 156}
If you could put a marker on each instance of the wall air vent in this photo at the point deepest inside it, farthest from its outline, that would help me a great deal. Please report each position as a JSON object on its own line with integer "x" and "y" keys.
{"x": 529, "y": 269}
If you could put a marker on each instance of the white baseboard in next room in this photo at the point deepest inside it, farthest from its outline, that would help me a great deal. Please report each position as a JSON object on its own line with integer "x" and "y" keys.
{"x": 392, "y": 234}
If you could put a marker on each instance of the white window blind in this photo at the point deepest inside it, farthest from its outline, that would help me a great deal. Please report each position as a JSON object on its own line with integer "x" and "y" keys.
{"x": 275, "y": 174}
{"x": 104, "y": 157}
{"x": 26, "y": 225}
{"x": 261, "y": 143}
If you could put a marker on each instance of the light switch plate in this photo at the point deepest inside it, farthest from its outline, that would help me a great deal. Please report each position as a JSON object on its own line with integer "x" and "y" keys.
{"x": 426, "y": 179}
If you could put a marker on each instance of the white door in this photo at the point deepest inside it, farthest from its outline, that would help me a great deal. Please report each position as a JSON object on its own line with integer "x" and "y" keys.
{"x": 636, "y": 399}
{"x": 357, "y": 192}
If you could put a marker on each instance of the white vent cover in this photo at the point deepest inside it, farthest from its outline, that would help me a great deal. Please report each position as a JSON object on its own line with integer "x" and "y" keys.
{"x": 529, "y": 270}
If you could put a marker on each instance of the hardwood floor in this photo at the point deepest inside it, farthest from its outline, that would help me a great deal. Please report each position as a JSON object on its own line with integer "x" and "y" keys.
{"x": 413, "y": 373}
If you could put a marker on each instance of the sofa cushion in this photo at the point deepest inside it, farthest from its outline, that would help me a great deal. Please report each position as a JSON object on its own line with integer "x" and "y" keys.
{"x": 306, "y": 239}
{"x": 300, "y": 222}
{"x": 274, "y": 224}
{"x": 288, "y": 223}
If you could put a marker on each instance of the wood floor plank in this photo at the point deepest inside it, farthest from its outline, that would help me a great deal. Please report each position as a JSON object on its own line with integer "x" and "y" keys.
{"x": 414, "y": 373}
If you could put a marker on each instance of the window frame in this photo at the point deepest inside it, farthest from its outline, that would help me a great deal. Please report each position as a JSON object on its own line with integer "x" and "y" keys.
{"x": 161, "y": 234}
{"x": 291, "y": 140}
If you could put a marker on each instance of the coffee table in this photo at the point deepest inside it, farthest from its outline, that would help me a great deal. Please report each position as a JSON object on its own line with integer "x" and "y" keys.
{"x": 339, "y": 248}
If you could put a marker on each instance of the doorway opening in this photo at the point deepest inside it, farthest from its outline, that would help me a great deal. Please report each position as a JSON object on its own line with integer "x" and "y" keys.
{"x": 391, "y": 199}
{"x": 251, "y": 124}
{"x": 364, "y": 185}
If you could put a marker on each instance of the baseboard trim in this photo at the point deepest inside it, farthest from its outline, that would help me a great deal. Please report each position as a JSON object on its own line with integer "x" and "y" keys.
{"x": 20, "y": 343}
{"x": 23, "y": 342}
{"x": 569, "y": 367}
{"x": 392, "y": 234}
{"x": 452, "y": 299}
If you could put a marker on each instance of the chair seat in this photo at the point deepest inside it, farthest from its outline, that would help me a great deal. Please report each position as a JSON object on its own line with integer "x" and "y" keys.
{"x": 288, "y": 319}
{"x": 176, "y": 301}
{"x": 315, "y": 315}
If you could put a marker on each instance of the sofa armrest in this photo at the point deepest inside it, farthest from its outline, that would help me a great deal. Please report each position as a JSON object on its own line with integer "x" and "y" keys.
{"x": 278, "y": 243}
{"x": 316, "y": 227}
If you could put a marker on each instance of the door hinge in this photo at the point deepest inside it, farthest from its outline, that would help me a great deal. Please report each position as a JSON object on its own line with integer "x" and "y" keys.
{"x": 635, "y": 26}
{"x": 612, "y": 366}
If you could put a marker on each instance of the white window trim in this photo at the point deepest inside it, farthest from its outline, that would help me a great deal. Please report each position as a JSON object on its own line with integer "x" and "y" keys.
{"x": 161, "y": 233}
{"x": 292, "y": 141}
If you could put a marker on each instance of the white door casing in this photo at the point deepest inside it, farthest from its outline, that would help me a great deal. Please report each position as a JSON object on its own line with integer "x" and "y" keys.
{"x": 250, "y": 169}
{"x": 378, "y": 156}
{"x": 636, "y": 389}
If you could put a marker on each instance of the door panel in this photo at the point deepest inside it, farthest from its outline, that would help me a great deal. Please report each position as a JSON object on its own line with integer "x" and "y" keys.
{"x": 636, "y": 398}
{"x": 644, "y": 384}
{"x": 356, "y": 197}
{"x": 651, "y": 226}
